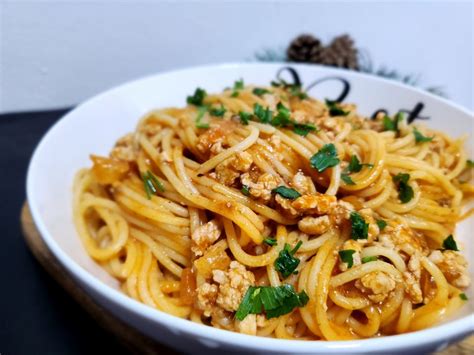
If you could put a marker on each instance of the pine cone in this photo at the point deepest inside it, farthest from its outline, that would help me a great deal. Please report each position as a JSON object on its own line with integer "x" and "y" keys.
{"x": 340, "y": 53}
{"x": 304, "y": 48}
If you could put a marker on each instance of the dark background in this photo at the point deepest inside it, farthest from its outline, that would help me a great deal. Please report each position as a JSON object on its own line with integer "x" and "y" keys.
{"x": 36, "y": 315}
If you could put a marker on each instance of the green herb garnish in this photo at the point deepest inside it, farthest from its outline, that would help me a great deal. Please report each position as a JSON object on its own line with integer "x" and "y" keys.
{"x": 405, "y": 191}
{"x": 420, "y": 138}
{"x": 245, "y": 190}
{"x": 282, "y": 117}
{"x": 469, "y": 163}
{"x": 197, "y": 98}
{"x": 355, "y": 166}
{"x": 450, "y": 244}
{"x": 151, "y": 184}
{"x": 263, "y": 115}
{"x": 273, "y": 301}
{"x": 347, "y": 179}
{"x": 238, "y": 85}
{"x": 360, "y": 229}
{"x": 303, "y": 129}
{"x": 325, "y": 158}
{"x": 245, "y": 117}
{"x": 295, "y": 90}
{"x": 392, "y": 125}
{"x": 368, "y": 259}
{"x": 335, "y": 109}
{"x": 382, "y": 224}
{"x": 198, "y": 121}
{"x": 346, "y": 257}
{"x": 260, "y": 91}
{"x": 286, "y": 263}
{"x": 286, "y": 192}
{"x": 270, "y": 241}
{"x": 463, "y": 296}
{"x": 217, "y": 111}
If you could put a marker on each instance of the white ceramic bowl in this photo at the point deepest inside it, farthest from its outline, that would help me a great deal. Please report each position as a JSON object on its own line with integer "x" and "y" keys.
{"x": 94, "y": 126}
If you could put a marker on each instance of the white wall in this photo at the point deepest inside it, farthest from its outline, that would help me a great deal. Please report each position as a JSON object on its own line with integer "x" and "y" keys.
{"x": 58, "y": 53}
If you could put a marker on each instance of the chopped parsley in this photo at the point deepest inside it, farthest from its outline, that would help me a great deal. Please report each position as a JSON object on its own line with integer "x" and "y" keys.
{"x": 382, "y": 224}
{"x": 151, "y": 184}
{"x": 450, "y": 244}
{"x": 245, "y": 190}
{"x": 270, "y": 241}
{"x": 238, "y": 85}
{"x": 463, "y": 296}
{"x": 273, "y": 301}
{"x": 263, "y": 115}
{"x": 296, "y": 91}
{"x": 198, "y": 121}
{"x": 335, "y": 109}
{"x": 368, "y": 259}
{"x": 355, "y": 166}
{"x": 405, "y": 191}
{"x": 325, "y": 158}
{"x": 245, "y": 117}
{"x": 347, "y": 179}
{"x": 260, "y": 91}
{"x": 360, "y": 229}
{"x": 282, "y": 117}
{"x": 286, "y": 263}
{"x": 286, "y": 192}
{"x": 217, "y": 111}
{"x": 392, "y": 125}
{"x": 197, "y": 98}
{"x": 420, "y": 138}
{"x": 303, "y": 129}
{"x": 469, "y": 163}
{"x": 346, "y": 257}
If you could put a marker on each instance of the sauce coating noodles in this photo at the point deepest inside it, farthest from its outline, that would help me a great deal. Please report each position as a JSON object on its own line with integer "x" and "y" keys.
{"x": 265, "y": 194}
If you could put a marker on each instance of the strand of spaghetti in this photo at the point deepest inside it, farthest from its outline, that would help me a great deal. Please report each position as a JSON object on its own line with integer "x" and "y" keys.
{"x": 350, "y": 303}
{"x": 116, "y": 223}
{"x": 390, "y": 254}
{"x": 414, "y": 164}
{"x": 391, "y": 307}
{"x": 153, "y": 214}
{"x": 132, "y": 279}
{"x": 314, "y": 244}
{"x": 253, "y": 260}
{"x": 298, "y": 147}
{"x": 358, "y": 271}
{"x": 442, "y": 289}
{"x": 226, "y": 209}
{"x": 161, "y": 300}
{"x": 381, "y": 199}
{"x": 330, "y": 330}
{"x": 180, "y": 170}
{"x": 335, "y": 180}
{"x": 230, "y": 193}
{"x": 245, "y": 144}
{"x": 155, "y": 202}
{"x": 406, "y": 315}
{"x": 242, "y": 209}
{"x": 371, "y": 327}
{"x": 142, "y": 285}
{"x": 157, "y": 251}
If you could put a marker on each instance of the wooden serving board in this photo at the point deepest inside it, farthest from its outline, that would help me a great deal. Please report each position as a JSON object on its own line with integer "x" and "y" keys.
{"x": 126, "y": 335}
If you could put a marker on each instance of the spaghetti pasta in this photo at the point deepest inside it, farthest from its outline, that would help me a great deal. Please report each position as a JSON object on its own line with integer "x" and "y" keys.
{"x": 267, "y": 212}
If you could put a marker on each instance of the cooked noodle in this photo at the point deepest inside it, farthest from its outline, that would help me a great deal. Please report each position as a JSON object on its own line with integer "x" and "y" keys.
{"x": 184, "y": 213}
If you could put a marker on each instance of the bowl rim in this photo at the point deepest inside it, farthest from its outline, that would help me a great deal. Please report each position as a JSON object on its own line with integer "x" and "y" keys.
{"x": 456, "y": 328}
